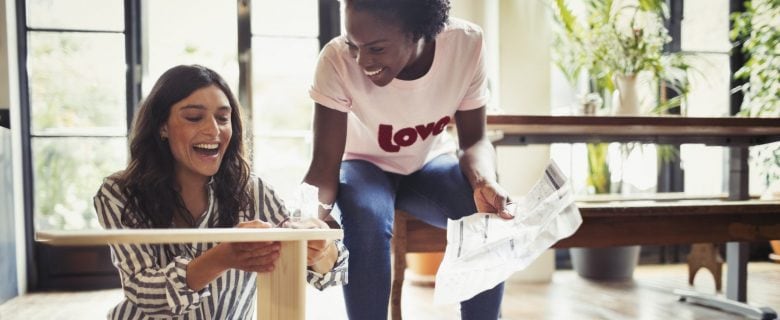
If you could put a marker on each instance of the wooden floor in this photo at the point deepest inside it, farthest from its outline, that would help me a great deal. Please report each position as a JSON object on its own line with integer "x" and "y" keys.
{"x": 568, "y": 296}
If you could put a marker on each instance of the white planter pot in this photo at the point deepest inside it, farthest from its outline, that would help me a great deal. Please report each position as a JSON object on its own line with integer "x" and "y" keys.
{"x": 625, "y": 100}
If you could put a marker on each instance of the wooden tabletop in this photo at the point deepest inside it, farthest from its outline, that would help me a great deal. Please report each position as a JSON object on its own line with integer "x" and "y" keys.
{"x": 724, "y": 131}
{"x": 139, "y": 236}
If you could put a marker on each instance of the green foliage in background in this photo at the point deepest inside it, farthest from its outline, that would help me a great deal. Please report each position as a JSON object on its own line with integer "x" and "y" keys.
{"x": 758, "y": 29}
{"x": 599, "y": 175}
{"x": 617, "y": 38}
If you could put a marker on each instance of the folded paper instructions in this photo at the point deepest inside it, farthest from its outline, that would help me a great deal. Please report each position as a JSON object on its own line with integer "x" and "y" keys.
{"x": 483, "y": 249}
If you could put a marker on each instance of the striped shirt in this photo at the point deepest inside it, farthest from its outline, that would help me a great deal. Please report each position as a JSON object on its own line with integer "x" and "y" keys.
{"x": 154, "y": 276}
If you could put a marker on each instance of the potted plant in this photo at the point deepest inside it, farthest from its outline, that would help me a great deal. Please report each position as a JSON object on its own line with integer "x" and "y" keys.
{"x": 758, "y": 29}
{"x": 619, "y": 44}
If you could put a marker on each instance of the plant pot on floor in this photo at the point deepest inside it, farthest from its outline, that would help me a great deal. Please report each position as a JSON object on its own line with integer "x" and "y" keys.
{"x": 423, "y": 266}
{"x": 611, "y": 263}
{"x": 776, "y": 249}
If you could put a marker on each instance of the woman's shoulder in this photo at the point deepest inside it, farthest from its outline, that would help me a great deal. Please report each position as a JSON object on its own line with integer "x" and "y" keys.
{"x": 336, "y": 47}
{"x": 110, "y": 188}
{"x": 259, "y": 183}
{"x": 462, "y": 29}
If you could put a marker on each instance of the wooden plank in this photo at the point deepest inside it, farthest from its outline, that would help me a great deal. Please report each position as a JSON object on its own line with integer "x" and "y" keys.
{"x": 281, "y": 294}
{"x": 97, "y": 237}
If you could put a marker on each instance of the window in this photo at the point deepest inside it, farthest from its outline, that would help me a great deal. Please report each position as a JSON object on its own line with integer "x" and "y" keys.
{"x": 77, "y": 106}
{"x": 704, "y": 32}
{"x": 201, "y": 32}
{"x": 285, "y": 47}
{"x": 76, "y": 88}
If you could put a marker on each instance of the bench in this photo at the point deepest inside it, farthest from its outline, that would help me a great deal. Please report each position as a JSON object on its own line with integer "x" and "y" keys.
{"x": 616, "y": 224}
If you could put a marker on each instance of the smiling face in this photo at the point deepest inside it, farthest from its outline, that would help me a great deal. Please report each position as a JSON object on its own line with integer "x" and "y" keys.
{"x": 198, "y": 131}
{"x": 379, "y": 45}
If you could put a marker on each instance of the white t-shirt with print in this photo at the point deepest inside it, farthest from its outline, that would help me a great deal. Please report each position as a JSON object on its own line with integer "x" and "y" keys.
{"x": 400, "y": 127}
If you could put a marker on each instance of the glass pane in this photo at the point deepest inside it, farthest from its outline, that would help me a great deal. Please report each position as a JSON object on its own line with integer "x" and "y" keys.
{"x": 709, "y": 96}
{"x": 70, "y": 14}
{"x": 282, "y": 74}
{"x": 200, "y": 32}
{"x": 67, "y": 173}
{"x": 705, "y": 26}
{"x": 298, "y": 18}
{"x": 282, "y": 162}
{"x": 702, "y": 174}
{"x": 77, "y": 80}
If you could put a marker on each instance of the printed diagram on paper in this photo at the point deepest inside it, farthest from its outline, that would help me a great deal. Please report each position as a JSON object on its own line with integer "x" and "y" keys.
{"x": 483, "y": 249}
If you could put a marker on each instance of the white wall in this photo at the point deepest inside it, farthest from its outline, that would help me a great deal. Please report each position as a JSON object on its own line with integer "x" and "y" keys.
{"x": 517, "y": 36}
{"x": 9, "y": 86}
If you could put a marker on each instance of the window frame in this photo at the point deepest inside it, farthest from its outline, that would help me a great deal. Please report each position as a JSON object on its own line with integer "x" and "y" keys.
{"x": 69, "y": 274}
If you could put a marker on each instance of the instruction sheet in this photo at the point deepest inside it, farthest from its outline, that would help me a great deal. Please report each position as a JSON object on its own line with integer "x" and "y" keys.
{"x": 483, "y": 249}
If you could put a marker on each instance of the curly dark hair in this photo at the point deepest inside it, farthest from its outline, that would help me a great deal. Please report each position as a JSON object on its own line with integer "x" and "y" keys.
{"x": 421, "y": 18}
{"x": 148, "y": 182}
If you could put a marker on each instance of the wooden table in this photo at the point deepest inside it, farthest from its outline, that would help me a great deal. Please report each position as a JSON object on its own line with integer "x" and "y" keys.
{"x": 281, "y": 294}
{"x": 736, "y": 133}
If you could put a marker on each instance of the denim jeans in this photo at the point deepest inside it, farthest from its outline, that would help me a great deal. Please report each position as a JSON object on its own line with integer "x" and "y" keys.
{"x": 366, "y": 204}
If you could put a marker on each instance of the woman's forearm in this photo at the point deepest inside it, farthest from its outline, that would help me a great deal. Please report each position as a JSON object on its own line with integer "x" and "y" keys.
{"x": 205, "y": 268}
{"x": 478, "y": 163}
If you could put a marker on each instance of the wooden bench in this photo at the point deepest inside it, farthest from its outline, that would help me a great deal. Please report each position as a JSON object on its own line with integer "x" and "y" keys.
{"x": 616, "y": 224}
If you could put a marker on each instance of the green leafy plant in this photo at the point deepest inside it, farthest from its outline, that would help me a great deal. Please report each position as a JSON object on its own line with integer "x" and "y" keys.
{"x": 758, "y": 30}
{"x": 616, "y": 39}
{"x": 599, "y": 175}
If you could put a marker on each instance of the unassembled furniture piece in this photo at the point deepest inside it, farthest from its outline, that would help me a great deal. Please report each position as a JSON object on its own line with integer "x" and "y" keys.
{"x": 281, "y": 294}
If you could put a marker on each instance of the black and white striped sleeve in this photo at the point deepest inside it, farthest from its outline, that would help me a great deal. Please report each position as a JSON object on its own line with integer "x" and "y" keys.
{"x": 336, "y": 276}
{"x": 155, "y": 289}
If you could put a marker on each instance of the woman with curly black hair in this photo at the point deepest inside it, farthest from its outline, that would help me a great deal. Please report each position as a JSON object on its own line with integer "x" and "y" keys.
{"x": 385, "y": 92}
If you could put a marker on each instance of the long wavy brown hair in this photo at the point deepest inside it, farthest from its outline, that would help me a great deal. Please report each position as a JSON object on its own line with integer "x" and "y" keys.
{"x": 149, "y": 182}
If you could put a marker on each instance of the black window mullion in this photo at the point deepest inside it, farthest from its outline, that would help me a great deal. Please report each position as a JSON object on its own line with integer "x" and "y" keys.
{"x": 24, "y": 129}
{"x": 330, "y": 26}
{"x": 244, "y": 32}
{"x": 133, "y": 57}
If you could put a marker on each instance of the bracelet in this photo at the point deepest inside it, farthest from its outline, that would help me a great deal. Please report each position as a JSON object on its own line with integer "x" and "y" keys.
{"x": 326, "y": 206}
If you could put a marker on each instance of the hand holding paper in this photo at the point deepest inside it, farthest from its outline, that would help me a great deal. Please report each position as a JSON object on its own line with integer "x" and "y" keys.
{"x": 483, "y": 250}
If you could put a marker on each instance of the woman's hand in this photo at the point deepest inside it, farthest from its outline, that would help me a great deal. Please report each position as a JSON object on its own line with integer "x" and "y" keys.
{"x": 490, "y": 197}
{"x": 248, "y": 256}
{"x": 321, "y": 254}
{"x": 251, "y": 256}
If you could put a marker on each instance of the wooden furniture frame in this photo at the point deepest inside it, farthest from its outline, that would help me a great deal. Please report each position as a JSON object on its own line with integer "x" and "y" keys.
{"x": 737, "y": 221}
{"x": 281, "y": 294}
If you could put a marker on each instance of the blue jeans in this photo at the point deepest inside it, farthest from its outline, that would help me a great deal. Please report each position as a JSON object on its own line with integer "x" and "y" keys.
{"x": 366, "y": 204}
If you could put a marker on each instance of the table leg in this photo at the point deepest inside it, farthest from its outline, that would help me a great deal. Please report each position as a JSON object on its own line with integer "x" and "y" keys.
{"x": 281, "y": 294}
{"x": 736, "y": 279}
{"x": 736, "y": 254}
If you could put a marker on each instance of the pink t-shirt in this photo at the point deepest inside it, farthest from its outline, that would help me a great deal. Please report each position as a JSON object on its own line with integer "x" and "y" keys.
{"x": 400, "y": 127}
